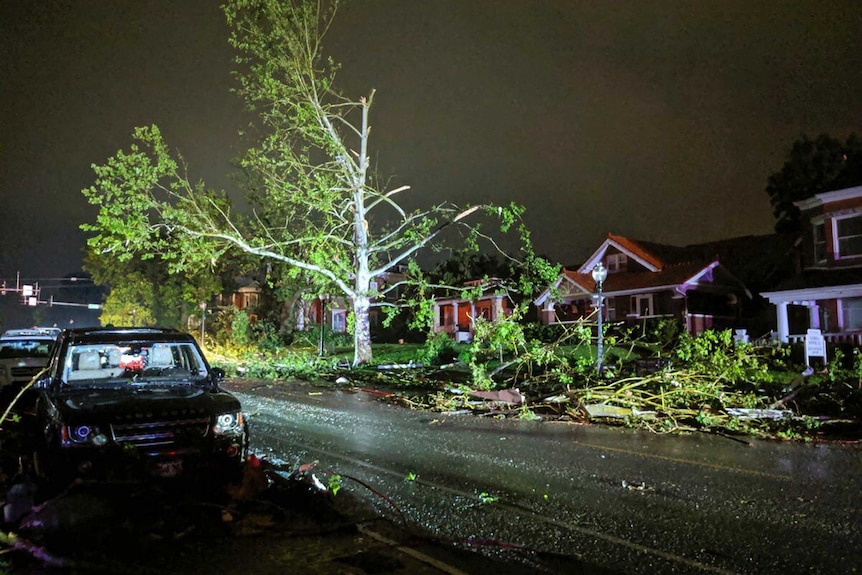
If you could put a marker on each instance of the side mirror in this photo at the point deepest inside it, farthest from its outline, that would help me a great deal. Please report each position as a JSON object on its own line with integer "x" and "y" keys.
{"x": 218, "y": 374}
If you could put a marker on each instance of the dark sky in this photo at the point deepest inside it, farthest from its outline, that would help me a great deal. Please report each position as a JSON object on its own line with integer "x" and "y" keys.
{"x": 658, "y": 120}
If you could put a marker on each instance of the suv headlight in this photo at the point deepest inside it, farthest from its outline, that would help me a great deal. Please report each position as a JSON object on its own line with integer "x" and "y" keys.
{"x": 82, "y": 435}
{"x": 228, "y": 423}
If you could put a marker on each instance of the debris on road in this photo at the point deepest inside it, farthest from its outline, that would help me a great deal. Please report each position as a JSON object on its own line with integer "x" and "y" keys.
{"x": 774, "y": 414}
{"x": 511, "y": 396}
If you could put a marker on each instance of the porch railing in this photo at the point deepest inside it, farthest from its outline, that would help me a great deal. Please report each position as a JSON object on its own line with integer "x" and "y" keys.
{"x": 851, "y": 338}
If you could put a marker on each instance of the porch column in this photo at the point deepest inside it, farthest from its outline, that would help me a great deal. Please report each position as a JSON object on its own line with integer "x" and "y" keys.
{"x": 436, "y": 313}
{"x": 813, "y": 314}
{"x": 783, "y": 324}
{"x": 548, "y": 312}
{"x": 498, "y": 307}
{"x": 300, "y": 316}
{"x": 455, "y": 317}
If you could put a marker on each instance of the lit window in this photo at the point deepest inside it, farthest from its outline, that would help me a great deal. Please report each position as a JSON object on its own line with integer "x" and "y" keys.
{"x": 849, "y": 232}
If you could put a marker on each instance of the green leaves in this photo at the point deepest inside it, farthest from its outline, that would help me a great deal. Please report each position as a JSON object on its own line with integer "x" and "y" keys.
{"x": 316, "y": 205}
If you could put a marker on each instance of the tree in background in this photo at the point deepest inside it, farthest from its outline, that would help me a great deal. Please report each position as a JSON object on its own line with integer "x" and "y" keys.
{"x": 318, "y": 206}
{"x": 813, "y": 167}
{"x": 143, "y": 292}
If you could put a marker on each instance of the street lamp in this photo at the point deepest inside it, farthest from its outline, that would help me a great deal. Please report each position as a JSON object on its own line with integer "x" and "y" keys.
{"x": 323, "y": 298}
{"x": 203, "y": 306}
{"x": 599, "y": 275}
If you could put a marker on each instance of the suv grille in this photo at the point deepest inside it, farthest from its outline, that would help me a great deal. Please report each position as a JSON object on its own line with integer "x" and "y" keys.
{"x": 161, "y": 430}
{"x": 27, "y": 372}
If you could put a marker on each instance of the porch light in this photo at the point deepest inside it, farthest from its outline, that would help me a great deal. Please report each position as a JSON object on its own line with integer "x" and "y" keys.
{"x": 599, "y": 274}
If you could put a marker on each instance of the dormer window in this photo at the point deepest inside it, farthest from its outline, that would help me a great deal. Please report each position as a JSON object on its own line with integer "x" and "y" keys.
{"x": 616, "y": 263}
{"x": 849, "y": 236}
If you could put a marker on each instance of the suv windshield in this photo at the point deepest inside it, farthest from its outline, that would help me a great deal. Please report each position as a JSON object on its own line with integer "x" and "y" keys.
{"x": 18, "y": 347}
{"x": 132, "y": 362}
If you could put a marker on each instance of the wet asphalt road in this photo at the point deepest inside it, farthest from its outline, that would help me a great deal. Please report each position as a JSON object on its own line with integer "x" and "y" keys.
{"x": 564, "y": 498}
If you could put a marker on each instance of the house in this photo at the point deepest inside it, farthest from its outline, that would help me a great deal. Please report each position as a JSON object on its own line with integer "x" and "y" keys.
{"x": 457, "y": 316}
{"x": 334, "y": 310}
{"x": 827, "y": 292}
{"x": 650, "y": 281}
{"x": 247, "y": 296}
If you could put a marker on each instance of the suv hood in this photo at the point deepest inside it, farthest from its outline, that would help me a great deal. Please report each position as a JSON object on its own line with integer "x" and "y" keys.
{"x": 25, "y": 361}
{"x": 145, "y": 402}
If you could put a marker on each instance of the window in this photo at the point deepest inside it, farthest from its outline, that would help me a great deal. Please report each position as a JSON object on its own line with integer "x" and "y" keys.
{"x": 851, "y": 312}
{"x": 819, "y": 243}
{"x": 617, "y": 263}
{"x": 849, "y": 236}
{"x": 610, "y": 310}
{"x": 339, "y": 321}
{"x": 123, "y": 363}
{"x": 642, "y": 305}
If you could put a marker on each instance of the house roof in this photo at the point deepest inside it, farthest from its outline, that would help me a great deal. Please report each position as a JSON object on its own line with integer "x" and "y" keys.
{"x": 757, "y": 260}
{"x": 670, "y": 275}
{"x": 683, "y": 267}
{"x": 818, "y": 285}
{"x": 828, "y": 197}
{"x": 821, "y": 278}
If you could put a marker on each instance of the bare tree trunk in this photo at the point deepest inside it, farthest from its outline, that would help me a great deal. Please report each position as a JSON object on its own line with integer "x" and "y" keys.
{"x": 362, "y": 330}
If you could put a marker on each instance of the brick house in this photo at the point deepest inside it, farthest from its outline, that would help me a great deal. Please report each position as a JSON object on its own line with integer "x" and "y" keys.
{"x": 651, "y": 281}
{"x": 827, "y": 292}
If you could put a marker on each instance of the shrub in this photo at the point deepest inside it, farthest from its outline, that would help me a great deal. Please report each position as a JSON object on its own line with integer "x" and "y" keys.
{"x": 439, "y": 349}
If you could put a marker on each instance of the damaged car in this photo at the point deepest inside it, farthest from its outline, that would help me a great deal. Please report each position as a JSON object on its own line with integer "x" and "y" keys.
{"x": 134, "y": 402}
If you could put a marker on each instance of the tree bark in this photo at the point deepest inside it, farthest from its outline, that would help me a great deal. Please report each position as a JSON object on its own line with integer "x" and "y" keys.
{"x": 362, "y": 330}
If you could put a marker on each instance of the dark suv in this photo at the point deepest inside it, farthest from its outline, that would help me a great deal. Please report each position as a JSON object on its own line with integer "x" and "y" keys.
{"x": 116, "y": 402}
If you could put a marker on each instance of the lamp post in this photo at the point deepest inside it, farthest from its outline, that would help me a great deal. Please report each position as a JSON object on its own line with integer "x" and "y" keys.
{"x": 323, "y": 298}
{"x": 203, "y": 306}
{"x": 599, "y": 275}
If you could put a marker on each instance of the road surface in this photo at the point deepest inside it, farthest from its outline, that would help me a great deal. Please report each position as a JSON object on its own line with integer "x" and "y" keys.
{"x": 565, "y": 498}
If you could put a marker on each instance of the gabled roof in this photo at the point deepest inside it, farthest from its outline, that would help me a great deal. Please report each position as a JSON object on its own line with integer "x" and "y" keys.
{"x": 682, "y": 268}
{"x": 639, "y": 251}
{"x": 679, "y": 276}
{"x": 757, "y": 260}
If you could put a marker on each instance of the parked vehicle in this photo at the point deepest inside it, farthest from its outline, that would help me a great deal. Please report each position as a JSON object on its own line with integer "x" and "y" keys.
{"x": 135, "y": 402}
{"x": 23, "y": 354}
{"x": 36, "y": 330}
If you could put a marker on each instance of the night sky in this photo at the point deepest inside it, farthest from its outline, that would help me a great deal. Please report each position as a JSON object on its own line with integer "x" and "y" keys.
{"x": 656, "y": 120}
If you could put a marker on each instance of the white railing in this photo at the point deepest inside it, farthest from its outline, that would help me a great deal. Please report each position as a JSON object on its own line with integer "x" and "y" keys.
{"x": 851, "y": 338}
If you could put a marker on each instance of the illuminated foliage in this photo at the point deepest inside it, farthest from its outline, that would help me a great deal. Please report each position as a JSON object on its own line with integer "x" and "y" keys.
{"x": 318, "y": 207}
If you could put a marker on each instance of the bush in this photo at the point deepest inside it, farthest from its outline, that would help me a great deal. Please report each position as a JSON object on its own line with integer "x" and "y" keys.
{"x": 439, "y": 349}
